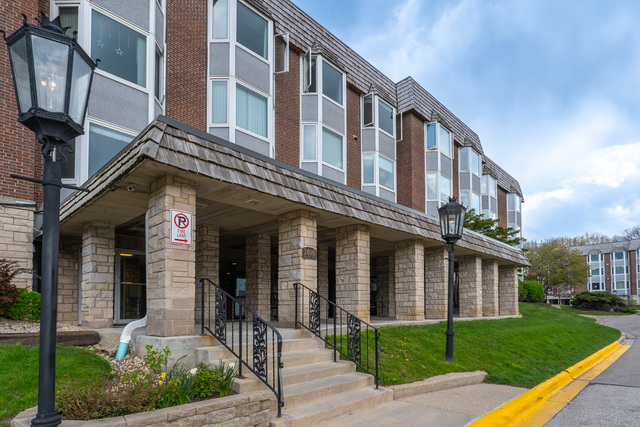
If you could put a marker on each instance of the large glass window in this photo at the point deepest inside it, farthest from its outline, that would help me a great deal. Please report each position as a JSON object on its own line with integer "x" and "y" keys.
{"x": 431, "y": 136}
{"x": 445, "y": 142}
{"x": 252, "y": 31}
{"x": 310, "y": 73}
{"x": 309, "y": 142}
{"x": 432, "y": 188}
{"x": 513, "y": 202}
{"x": 368, "y": 169}
{"x": 475, "y": 202}
{"x": 445, "y": 189}
{"x": 332, "y": 148}
{"x": 104, "y": 143}
{"x": 367, "y": 111}
{"x": 470, "y": 161}
{"x": 122, "y": 51}
{"x": 251, "y": 111}
{"x": 219, "y": 30}
{"x": 69, "y": 18}
{"x": 385, "y": 167}
{"x": 158, "y": 75}
{"x": 619, "y": 270}
{"x": 331, "y": 82}
{"x": 385, "y": 117}
{"x": 218, "y": 101}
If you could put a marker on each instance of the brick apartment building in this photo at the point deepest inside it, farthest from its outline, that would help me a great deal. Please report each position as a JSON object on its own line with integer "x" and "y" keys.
{"x": 615, "y": 268}
{"x": 276, "y": 136}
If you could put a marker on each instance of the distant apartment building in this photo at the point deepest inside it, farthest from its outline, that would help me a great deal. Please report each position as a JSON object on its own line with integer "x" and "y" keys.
{"x": 277, "y": 137}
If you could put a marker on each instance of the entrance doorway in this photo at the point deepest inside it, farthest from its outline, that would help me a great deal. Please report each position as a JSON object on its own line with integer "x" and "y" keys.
{"x": 130, "y": 286}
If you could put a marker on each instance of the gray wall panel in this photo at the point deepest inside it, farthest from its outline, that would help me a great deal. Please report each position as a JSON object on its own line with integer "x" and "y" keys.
{"x": 333, "y": 174}
{"x": 333, "y": 115}
{"x": 475, "y": 180}
{"x": 220, "y": 132}
{"x": 134, "y": 11}
{"x": 369, "y": 189}
{"x": 157, "y": 108}
{"x": 310, "y": 108}
{"x": 465, "y": 180}
{"x": 132, "y": 105}
{"x": 494, "y": 204}
{"x": 387, "y": 195}
{"x": 485, "y": 202}
{"x": 511, "y": 217}
{"x": 311, "y": 167}
{"x": 432, "y": 208}
{"x": 432, "y": 161}
{"x": 219, "y": 59}
{"x": 387, "y": 145}
{"x": 368, "y": 140}
{"x": 159, "y": 25}
{"x": 445, "y": 166}
{"x": 252, "y": 143}
{"x": 252, "y": 70}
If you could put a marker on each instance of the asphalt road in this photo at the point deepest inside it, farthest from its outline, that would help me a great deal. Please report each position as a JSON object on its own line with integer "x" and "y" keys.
{"x": 613, "y": 397}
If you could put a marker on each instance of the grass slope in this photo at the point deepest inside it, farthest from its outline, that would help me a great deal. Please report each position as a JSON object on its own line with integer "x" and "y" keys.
{"x": 519, "y": 352}
{"x": 19, "y": 373}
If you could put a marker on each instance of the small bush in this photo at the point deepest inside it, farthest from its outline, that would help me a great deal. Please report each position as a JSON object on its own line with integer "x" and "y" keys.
{"x": 26, "y": 306}
{"x": 8, "y": 292}
{"x": 600, "y": 301}
{"x": 530, "y": 291}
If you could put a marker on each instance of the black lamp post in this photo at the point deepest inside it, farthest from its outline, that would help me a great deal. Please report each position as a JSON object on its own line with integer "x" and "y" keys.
{"x": 451, "y": 226}
{"x": 52, "y": 76}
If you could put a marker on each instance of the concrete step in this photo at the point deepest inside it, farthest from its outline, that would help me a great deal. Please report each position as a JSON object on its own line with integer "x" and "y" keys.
{"x": 304, "y": 373}
{"x": 214, "y": 353}
{"x": 321, "y": 410}
{"x": 307, "y": 357}
{"x": 312, "y": 390}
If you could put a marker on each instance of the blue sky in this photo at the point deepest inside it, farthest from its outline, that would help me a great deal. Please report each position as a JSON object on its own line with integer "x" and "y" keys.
{"x": 551, "y": 88}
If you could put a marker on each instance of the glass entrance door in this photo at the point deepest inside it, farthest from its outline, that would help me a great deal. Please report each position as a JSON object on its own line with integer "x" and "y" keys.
{"x": 130, "y": 286}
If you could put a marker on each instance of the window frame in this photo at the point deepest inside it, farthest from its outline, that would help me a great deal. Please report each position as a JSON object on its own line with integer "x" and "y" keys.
{"x": 246, "y": 86}
{"x": 438, "y": 146}
{"x": 269, "y": 46}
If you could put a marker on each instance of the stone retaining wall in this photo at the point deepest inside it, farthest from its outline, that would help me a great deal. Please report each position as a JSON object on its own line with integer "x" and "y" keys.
{"x": 240, "y": 410}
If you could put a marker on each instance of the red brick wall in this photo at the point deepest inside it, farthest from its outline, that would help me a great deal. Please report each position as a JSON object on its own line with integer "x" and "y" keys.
{"x": 287, "y": 112}
{"x": 502, "y": 208}
{"x": 632, "y": 273}
{"x": 354, "y": 150}
{"x": 187, "y": 46}
{"x": 410, "y": 163}
{"x": 20, "y": 150}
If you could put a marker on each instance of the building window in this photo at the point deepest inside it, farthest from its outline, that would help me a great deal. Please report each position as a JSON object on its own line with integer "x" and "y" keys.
{"x": 69, "y": 168}
{"x": 69, "y": 18}
{"x": 252, "y": 31}
{"x": 385, "y": 167}
{"x": 513, "y": 202}
{"x": 310, "y": 73}
{"x": 218, "y": 102}
{"x": 445, "y": 189}
{"x": 367, "y": 111}
{"x": 122, "y": 51}
{"x": 470, "y": 161}
{"x": 331, "y": 82}
{"x": 251, "y": 111}
{"x": 368, "y": 169}
{"x": 158, "y": 75}
{"x": 618, "y": 256}
{"x": 385, "y": 117}
{"x": 309, "y": 143}
{"x": 332, "y": 148}
{"x": 104, "y": 144}
{"x": 220, "y": 21}
{"x": 439, "y": 137}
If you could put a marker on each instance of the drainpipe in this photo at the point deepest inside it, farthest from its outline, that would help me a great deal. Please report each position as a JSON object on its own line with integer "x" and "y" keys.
{"x": 126, "y": 336}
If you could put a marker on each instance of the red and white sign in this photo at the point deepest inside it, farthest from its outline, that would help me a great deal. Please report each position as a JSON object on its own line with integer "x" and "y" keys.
{"x": 181, "y": 227}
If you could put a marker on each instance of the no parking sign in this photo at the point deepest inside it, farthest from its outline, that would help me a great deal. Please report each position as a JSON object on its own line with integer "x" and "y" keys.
{"x": 181, "y": 227}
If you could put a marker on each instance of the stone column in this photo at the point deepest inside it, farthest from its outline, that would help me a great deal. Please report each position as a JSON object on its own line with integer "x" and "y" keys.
{"x": 98, "y": 263}
{"x": 409, "y": 280}
{"x": 436, "y": 270}
{"x": 386, "y": 276}
{"x": 171, "y": 267}
{"x": 207, "y": 261}
{"x": 470, "y": 276}
{"x": 16, "y": 239}
{"x": 258, "y": 270}
{"x": 353, "y": 270}
{"x": 490, "y": 307}
{"x": 296, "y": 230}
{"x": 508, "y": 289}
{"x": 323, "y": 270}
{"x": 68, "y": 261}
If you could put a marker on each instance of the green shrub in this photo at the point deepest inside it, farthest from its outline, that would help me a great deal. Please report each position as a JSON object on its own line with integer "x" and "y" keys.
{"x": 530, "y": 291}
{"x": 8, "y": 292}
{"x": 600, "y": 301}
{"x": 26, "y": 306}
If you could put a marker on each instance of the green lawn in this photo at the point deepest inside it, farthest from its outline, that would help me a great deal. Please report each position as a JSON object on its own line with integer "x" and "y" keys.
{"x": 570, "y": 309}
{"x": 519, "y": 352}
{"x": 19, "y": 373}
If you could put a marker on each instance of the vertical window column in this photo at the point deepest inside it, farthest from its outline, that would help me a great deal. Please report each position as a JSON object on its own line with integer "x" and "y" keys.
{"x": 378, "y": 145}
{"x": 439, "y": 166}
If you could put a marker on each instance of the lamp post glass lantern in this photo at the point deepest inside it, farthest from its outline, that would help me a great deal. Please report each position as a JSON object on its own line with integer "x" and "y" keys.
{"x": 52, "y": 78}
{"x": 451, "y": 226}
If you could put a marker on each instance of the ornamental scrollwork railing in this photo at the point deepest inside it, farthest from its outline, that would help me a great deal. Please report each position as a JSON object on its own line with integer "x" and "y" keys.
{"x": 256, "y": 343}
{"x": 342, "y": 331}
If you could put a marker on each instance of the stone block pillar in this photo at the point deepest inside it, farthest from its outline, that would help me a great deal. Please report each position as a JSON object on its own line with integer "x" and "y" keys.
{"x": 16, "y": 239}
{"x": 409, "y": 268}
{"x": 296, "y": 230}
{"x": 98, "y": 263}
{"x": 436, "y": 270}
{"x": 353, "y": 270}
{"x": 470, "y": 277}
{"x": 68, "y": 264}
{"x": 508, "y": 289}
{"x": 323, "y": 271}
{"x": 171, "y": 267}
{"x": 258, "y": 270}
{"x": 490, "y": 307}
{"x": 207, "y": 261}
{"x": 386, "y": 276}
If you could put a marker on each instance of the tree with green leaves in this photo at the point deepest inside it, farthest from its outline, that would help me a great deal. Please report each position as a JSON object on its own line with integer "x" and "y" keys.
{"x": 556, "y": 265}
{"x": 489, "y": 227}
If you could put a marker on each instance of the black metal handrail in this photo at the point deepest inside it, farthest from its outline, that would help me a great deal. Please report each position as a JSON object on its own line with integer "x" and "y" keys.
{"x": 340, "y": 318}
{"x": 263, "y": 343}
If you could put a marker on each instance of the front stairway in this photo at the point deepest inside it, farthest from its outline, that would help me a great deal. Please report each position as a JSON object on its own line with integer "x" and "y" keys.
{"x": 316, "y": 389}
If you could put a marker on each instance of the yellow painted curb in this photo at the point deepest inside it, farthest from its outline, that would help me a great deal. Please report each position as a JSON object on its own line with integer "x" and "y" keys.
{"x": 520, "y": 407}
